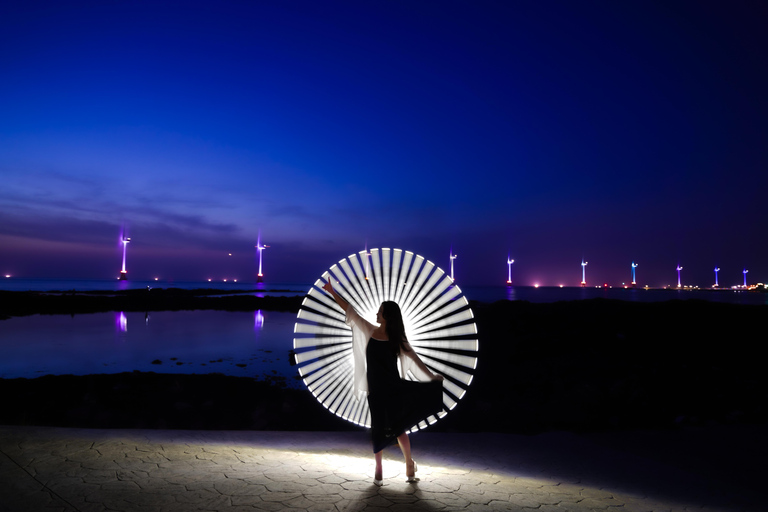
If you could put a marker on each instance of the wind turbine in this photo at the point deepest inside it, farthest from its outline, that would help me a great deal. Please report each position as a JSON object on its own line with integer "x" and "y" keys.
{"x": 717, "y": 269}
{"x": 260, "y": 278}
{"x": 510, "y": 261}
{"x": 453, "y": 257}
{"x": 679, "y": 268}
{"x": 634, "y": 266}
{"x": 123, "y": 273}
{"x": 584, "y": 273}
{"x": 745, "y": 277}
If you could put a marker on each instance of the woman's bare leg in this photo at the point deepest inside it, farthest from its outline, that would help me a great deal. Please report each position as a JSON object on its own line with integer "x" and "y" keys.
{"x": 377, "y": 474}
{"x": 405, "y": 446}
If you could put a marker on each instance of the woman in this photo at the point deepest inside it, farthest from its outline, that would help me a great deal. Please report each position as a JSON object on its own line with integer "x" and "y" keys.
{"x": 396, "y": 404}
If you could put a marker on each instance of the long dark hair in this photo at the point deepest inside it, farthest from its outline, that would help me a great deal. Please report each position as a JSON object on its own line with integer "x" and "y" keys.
{"x": 395, "y": 328}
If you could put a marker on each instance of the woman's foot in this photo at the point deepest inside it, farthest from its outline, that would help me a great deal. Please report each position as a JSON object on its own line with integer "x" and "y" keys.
{"x": 410, "y": 471}
{"x": 377, "y": 478}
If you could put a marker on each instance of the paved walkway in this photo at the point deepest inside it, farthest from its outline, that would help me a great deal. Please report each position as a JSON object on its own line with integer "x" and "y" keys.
{"x": 54, "y": 469}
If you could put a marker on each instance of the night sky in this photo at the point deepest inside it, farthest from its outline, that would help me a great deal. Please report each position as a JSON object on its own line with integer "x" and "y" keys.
{"x": 547, "y": 131}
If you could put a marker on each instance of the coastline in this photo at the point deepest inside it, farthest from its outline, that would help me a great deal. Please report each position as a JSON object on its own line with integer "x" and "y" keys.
{"x": 586, "y": 366}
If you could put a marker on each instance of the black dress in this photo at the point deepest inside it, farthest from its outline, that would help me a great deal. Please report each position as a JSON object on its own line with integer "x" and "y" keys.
{"x": 396, "y": 405}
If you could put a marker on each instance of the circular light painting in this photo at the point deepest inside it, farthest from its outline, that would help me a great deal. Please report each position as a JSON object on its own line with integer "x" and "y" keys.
{"x": 438, "y": 322}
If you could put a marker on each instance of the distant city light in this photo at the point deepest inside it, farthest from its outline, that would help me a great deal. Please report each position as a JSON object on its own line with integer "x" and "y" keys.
{"x": 7, "y": 275}
{"x": 536, "y": 285}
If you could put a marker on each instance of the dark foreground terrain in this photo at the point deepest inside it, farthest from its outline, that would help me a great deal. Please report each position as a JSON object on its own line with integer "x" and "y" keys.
{"x": 590, "y": 365}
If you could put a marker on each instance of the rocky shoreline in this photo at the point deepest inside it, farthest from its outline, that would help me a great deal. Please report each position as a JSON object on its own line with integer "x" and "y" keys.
{"x": 586, "y": 365}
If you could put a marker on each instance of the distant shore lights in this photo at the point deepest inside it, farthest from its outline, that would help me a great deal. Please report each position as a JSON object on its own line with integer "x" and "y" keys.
{"x": 510, "y": 261}
{"x": 584, "y": 272}
{"x": 260, "y": 277}
{"x": 123, "y": 273}
{"x": 679, "y": 268}
{"x": 453, "y": 257}
{"x": 634, "y": 266}
{"x": 717, "y": 269}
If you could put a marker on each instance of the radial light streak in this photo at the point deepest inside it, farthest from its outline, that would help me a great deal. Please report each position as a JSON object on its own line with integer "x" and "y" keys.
{"x": 438, "y": 321}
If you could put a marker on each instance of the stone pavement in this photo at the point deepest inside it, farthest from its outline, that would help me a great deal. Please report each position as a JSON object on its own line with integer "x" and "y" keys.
{"x": 57, "y": 469}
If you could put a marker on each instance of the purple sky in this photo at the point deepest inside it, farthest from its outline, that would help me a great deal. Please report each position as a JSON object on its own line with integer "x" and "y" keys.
{"x": 550, "y": 131}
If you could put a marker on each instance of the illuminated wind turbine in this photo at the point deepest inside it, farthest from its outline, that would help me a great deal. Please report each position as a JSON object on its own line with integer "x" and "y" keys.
{"x": 745, "y": 277}
{"x": 509, "y": 269}
{"x": 634, "y": 266}
{"x": 453, "y": 257}
{"x": 123, "y": 273}
{"x": 261, "y": 249}
{"x": 717, "y": 269}
{"x": 679, "y": 268}
{"x": 584, "y": 272}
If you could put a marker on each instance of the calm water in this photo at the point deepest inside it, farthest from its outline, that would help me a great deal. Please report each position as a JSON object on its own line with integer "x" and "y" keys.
{"x": 478, "y": 293}
{"x": 233, "y": 343}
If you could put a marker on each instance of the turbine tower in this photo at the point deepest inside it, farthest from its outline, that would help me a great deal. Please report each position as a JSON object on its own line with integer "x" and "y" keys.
{"x": 679, "y": 268}
{"x": 634, "y": 266}
{"x": 717, "y": 269}
{"x": 510, "y": 261}
{"x": 260, "y": 278}
{"x": 123, "y": 273}
{"x": 584, "y": 273}
{"x": 745, "y": 277}
{"x": 453, "y": 257}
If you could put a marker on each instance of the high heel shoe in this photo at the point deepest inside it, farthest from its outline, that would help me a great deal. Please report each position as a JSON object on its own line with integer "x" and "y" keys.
{"x": 412, "y": 478}
{"x": 378, "y": 480}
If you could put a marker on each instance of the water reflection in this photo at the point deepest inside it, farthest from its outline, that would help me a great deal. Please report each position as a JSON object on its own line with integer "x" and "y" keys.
{"x": 260, "y": 289}
{"x": 121, "y": 321}
{"x": 233, "y": 343}
{"x": 511, "y": 295}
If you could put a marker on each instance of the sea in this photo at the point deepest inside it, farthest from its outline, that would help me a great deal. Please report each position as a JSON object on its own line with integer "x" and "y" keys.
{"x": 247, "y": 344}
{"x": 488, "y": 294}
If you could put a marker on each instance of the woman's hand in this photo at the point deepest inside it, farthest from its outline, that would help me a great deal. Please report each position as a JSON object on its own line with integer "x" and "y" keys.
{"x": 328, "y": 287}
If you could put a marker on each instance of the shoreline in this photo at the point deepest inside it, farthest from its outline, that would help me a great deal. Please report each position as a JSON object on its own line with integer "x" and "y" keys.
{"x": 583, "y": 366}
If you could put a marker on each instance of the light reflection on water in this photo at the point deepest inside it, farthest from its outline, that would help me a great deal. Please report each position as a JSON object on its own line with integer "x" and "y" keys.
{"x": 247, "y": 344}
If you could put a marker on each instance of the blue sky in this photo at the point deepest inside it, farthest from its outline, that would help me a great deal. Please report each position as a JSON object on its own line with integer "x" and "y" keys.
{"x": 552, "y": 131}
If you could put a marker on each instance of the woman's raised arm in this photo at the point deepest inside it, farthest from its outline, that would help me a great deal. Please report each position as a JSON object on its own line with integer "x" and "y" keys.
{"x": 341, "y": 302}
